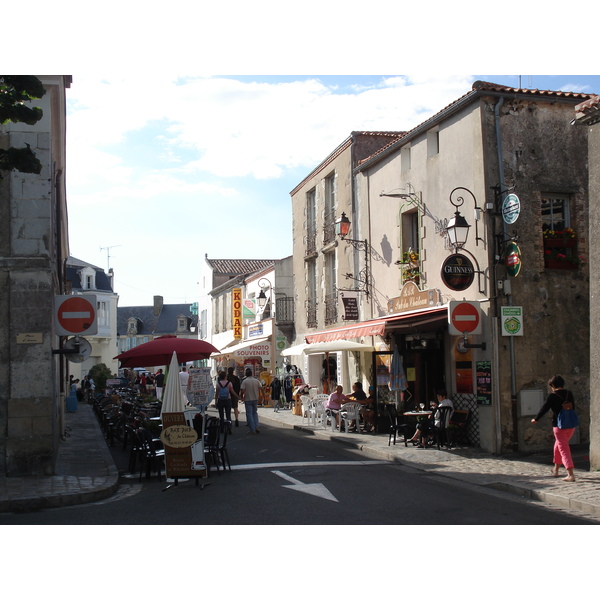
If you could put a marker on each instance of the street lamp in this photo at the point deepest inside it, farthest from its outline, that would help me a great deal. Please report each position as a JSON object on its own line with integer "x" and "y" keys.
{"x": 261, "y": 299}
{"x": 458, "y": 227}
{"x": 342, "y": 228}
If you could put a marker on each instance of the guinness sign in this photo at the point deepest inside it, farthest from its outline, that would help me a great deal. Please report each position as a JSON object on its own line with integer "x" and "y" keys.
{"x": 458, "y": 272}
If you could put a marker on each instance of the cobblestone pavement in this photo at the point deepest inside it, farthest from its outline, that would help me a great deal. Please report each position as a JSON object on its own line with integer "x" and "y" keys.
{"x": 85, "y": 470}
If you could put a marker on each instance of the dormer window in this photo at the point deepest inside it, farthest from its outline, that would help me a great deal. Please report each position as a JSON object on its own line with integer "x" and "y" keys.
{"x": 88, "y": 279}
{"x": 182, "y": 323}
{"x": 132, "y": 326}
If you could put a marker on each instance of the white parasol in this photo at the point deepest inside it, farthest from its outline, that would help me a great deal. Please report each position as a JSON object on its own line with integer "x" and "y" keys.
{"x": 172, "y": 398}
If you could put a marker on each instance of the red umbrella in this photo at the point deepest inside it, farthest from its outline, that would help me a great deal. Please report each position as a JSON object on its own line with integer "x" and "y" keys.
{"x": 159, "y": 352}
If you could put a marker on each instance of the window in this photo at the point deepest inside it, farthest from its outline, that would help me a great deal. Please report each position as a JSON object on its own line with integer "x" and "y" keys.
{"x": 311, "y": 222}
{"x": 433, "y": 142}
{"x": 331, "y": 300}
{"x": 329, "y": 219}
{"x": 311, "y": 293}
{"x": 409, "y": 261}
{"x": 555, "y": 212}
{"x": 405, "y": 159}
{"x": 560, "y": 241}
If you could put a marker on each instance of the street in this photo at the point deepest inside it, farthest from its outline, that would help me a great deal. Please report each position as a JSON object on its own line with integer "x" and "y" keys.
{"x": 290, "y": 477}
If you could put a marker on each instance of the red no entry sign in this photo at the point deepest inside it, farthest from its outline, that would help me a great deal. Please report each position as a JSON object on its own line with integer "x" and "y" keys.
{"x": 76, "y": 315}
{"x": 464, "y": 317}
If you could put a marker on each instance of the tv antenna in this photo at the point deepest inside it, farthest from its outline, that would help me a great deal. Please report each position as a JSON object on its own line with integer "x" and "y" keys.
{"x": 107, "y": 248}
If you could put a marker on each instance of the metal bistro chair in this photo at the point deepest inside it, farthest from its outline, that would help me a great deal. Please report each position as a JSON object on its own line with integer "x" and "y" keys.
{"x": 150, "y": 456}
{"x": 350, "y": 412}
{"x": 442, "y": 425}
{"x": 395, "y": 425}
{"x": 212, "y": 442}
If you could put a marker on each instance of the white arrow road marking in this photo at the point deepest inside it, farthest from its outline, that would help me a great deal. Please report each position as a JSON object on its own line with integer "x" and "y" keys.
{"x": 314, "y": 489}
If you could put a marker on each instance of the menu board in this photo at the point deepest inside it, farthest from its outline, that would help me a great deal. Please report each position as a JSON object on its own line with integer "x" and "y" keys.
{"x": 200, "y": 386}
{"x": 484, "y": 382}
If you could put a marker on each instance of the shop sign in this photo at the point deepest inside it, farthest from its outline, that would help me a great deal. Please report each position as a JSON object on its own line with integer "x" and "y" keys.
{"x": 513, "y": 259}
{"x": 262, "y": 350}
{"x": 248, "y": 309}
{"x": 255, "y": 330}
{"x": 350, "y": 302}
{"x": 458, "y": 272}
{"x": 236, "y": 304}
{"x": 412, "y": 298}
{"x": 511, "y": 208}
{"x": 511, "y": 320}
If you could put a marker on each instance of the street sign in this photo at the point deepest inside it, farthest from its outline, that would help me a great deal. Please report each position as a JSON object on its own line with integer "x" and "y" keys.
{"x": 513, "y": 259}
{"x": 511, "y": 318}
{"x": 76, "y": 315}
{"x": 511, "y": 209}
{"x": 464, "y": 317}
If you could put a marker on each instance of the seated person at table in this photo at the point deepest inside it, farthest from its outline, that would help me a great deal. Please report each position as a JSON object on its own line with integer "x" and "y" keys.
{"x": 367, "y": 412}
{"x": 334, "y": 403}
{"x": 425, "y": 428}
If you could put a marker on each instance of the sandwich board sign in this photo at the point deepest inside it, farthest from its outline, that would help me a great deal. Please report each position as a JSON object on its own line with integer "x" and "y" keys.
{"x": 75, "y": 315}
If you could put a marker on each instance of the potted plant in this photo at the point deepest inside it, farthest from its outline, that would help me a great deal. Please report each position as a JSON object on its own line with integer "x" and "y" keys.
{"x": 555, "y": 238}
{"x": 410, "y": 266}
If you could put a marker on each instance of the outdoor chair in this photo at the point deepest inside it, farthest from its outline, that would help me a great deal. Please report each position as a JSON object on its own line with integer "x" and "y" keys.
{"x": 458, "y": 425}
{"x": 442, "y": 427}
{"x": 317, "y": 411}
{"x": 395, "y": 425}
{"x": 350, "y": 412}
{"x": 152, "y": 458}
{"x": 307, "y": 402}
{"x": 212, "y": 442}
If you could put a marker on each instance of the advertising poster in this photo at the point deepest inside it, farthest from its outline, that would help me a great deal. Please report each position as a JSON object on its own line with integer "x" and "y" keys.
{"x": 200, "y": 387}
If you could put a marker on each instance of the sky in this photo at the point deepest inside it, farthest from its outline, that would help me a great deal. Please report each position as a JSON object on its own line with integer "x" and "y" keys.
{"x": 200, "y": 165}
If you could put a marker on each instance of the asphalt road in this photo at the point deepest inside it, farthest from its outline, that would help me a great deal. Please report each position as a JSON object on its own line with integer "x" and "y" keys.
{"x": 287, "y": 477}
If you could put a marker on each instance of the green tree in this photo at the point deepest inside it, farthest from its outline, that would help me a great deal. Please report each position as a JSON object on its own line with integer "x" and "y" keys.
{"x": 100, "y": 373}
{"x": 16, "y": 92}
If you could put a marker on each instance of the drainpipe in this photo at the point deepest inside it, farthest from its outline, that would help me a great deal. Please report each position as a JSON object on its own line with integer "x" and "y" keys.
{"x": 511, "y": 342}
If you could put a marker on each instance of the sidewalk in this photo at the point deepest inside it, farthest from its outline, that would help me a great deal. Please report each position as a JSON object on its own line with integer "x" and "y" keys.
{"x": 85, "y": 470}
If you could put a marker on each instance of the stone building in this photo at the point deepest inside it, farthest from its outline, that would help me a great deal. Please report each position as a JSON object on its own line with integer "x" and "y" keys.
{"x": 588, "y": 116}
{"x": 495, "y": 155}
{"x": 33, "y": 253}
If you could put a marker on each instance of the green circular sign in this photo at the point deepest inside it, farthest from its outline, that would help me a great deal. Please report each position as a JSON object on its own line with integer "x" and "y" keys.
{"x": 513, "y": 259}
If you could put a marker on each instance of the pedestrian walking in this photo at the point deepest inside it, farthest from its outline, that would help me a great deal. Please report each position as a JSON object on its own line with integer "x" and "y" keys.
{"x": 224, "y": 392}
{"x": 236, "y": 383}
{"x": 558, "y": 399}
{"x": 252, "y": 392}
{"x": 160, "y": 383}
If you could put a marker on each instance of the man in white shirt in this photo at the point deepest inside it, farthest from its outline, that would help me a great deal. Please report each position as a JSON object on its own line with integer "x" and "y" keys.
{"x": 251, "y": 390}
{"x": 184, "y": 377}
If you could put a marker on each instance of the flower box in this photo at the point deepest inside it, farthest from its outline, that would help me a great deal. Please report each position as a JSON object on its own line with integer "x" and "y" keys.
{"x": 551, "y": 263}
{"x": 560, "y": 243}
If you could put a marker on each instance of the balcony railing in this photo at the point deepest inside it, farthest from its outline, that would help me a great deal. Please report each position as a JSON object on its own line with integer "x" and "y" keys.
{"x": 284, "y": 311}
{"x": 331, "y": 308}
{"x": 329, "y": 228}
{"x": 311, "y": 239}
{"x": 311, "y": 312}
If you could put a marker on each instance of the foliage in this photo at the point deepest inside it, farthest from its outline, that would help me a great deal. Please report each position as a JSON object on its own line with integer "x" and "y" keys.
{"x": 15, "y": 92}
{"x": 100, "y": 373}
{"x": 410, "y": 270}
{"x": 565, "y": 234}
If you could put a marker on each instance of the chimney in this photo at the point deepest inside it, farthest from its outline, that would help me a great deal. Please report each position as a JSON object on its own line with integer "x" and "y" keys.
{"x": 158, "y": 304}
